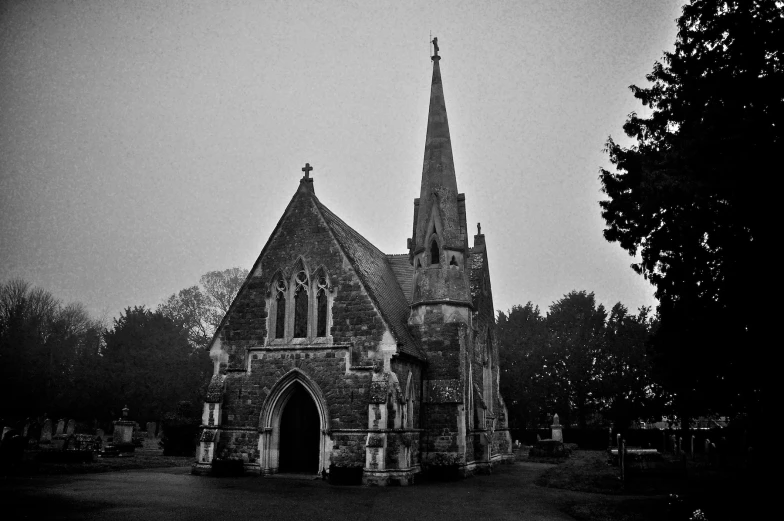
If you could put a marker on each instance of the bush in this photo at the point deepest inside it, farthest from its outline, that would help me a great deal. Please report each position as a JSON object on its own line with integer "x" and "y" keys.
{"x": 179, "y": 436}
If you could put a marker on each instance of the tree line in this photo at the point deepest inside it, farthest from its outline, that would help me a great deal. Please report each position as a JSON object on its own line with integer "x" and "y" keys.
{"x": 588, "y": 365}
{"x": 57, "y": 360}
{"x": 686, "y": 200}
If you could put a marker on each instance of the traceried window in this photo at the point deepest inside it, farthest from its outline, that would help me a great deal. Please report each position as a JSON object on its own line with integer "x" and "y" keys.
{"x": 301, "y": 305}
{"x": 321, "y": 307}
{"x": 434, "y": 253}
{"x": 280, "y": 309}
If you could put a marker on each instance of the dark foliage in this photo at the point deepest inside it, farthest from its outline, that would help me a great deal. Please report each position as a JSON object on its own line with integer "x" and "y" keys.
{"x": 55, "y": 359}
{"x": 152, "y": 364}
{"x": 590, "y": 368}
{"x": 180, "y": 431}
{"x": 686, "y": 198}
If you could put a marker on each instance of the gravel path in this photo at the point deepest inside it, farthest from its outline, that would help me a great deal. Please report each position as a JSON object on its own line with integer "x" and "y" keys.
{"x": 172, "y": 493}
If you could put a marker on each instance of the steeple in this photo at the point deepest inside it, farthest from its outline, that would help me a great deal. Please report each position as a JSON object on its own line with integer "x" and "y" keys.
{"x": 439, "y": 247}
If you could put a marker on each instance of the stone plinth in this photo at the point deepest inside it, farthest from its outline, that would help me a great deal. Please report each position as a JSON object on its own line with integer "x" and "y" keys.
{"x": 123, "y": 432}
{"x": 556, "y": 429}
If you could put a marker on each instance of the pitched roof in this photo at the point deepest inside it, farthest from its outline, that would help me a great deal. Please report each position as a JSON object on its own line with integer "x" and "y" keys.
{"x": 378, "y": 278}
{"x": 404, "y": 273}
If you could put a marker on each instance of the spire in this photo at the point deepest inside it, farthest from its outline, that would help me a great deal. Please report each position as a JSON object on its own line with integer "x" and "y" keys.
{"x": 439, "y": 244}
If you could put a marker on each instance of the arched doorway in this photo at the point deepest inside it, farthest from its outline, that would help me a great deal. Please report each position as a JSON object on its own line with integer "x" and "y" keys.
{"x": 299, "y": 433}
{"x": 282, "y": 399}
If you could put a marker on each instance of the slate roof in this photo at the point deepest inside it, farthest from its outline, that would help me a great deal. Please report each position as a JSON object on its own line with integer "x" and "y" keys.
{"x": 404, "y": 273}
{"x": 379, "y": 279}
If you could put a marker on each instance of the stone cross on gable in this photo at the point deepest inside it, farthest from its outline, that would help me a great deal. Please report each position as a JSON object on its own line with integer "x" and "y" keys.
{"x": 307, "y": 168}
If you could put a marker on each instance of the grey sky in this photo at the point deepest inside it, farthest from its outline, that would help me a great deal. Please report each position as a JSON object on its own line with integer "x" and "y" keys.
{"x": 146, "y": 143}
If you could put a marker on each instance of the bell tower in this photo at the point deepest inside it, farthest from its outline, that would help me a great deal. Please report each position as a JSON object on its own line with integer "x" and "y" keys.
{"x": 438, "y": 249}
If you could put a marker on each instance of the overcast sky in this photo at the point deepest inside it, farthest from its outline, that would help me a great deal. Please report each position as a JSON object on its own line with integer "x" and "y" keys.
{"x": 143, "y": 144}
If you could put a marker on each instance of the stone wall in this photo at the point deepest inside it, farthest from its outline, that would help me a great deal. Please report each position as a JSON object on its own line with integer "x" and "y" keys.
{"x": 302, "y": 236}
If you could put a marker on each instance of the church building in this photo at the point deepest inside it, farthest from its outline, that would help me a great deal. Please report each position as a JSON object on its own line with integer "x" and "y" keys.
{"x": 337, "y": 357}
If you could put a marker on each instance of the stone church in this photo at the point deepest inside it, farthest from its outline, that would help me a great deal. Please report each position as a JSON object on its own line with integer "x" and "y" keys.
{"x": 335, "y": 355}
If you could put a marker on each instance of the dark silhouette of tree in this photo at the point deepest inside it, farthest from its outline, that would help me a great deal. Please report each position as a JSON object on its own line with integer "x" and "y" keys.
{"x": 685, "y": 198}
{"x": 590, "y": 368}
{"x": 47, "y": 352}
{"x": 152, "y": 364}
{"x": 525, "y": 381}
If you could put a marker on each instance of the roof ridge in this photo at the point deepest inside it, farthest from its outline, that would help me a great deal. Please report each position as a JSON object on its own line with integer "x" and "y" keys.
{"x": 377, "y": 276}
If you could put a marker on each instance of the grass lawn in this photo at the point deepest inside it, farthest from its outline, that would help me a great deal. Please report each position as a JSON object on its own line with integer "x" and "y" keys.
{"x": 674, "y": 492}
{"x": 141, "y": 459}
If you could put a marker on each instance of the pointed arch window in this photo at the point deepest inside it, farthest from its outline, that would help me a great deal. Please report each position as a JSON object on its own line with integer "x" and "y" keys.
{"x": 321, "y": 307}
{"x": 280, "y": 309}
{"x": 435, "y": 254}
{"x": 301, "y": 305}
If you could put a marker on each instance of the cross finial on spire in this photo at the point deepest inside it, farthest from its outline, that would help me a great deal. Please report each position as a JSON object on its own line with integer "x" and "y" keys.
{"x": 435, "y": 56}
{"x": 307, "y": 168}
{"x": 479, "y": 228}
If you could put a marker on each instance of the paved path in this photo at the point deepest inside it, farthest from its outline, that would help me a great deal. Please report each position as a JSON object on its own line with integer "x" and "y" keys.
{"x": 173, "y": 493}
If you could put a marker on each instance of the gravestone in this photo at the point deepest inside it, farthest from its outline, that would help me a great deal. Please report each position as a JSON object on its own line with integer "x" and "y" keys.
{"x": 151, "y": 430}
{"x": 60, "y": 427}
{"x": 100, "y": 434}
{"x": 33, "y": 435}
{"x": 71, "y": 427}
{"x": 556, "y": 429}
{"x": 46, "y": 432}
{"x": 123, "y": 432}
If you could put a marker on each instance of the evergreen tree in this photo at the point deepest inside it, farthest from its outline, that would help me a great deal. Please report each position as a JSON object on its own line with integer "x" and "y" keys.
{"x": 686, "y": 197}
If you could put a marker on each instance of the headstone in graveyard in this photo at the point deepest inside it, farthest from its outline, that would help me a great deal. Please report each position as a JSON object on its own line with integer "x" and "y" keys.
{"x": 46, "y": 432}
{"x": 691, "y": 446}
{"x": 33, "y": 435}
{"x": 151, "y": 426}
{"x": 123, "y": 432}
{"x": 100, "y": 434}
{"x": 60, "y": 427}
{"x": 556, "y": 429}
{"x": 71, "y": 427}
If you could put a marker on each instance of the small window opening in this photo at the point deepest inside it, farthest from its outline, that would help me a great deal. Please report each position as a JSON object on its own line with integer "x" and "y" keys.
{"x": 301, "y": 306}
{"x": 434, "y": 253}
{"x": 453, "y": 262}
{"x": 280, "y": 309}
{"x": 321, "y": 308}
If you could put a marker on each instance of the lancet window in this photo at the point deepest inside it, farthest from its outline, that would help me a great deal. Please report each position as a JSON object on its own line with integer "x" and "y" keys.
{"x": 280, "y": 309}
{"x": 435, "y": 254}
{"x": 321, "y": 306}
{"x": 301, "y": 305}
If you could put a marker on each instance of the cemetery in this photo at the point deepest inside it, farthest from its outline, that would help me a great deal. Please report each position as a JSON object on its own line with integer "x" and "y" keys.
{"x": 326, "y": 378}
